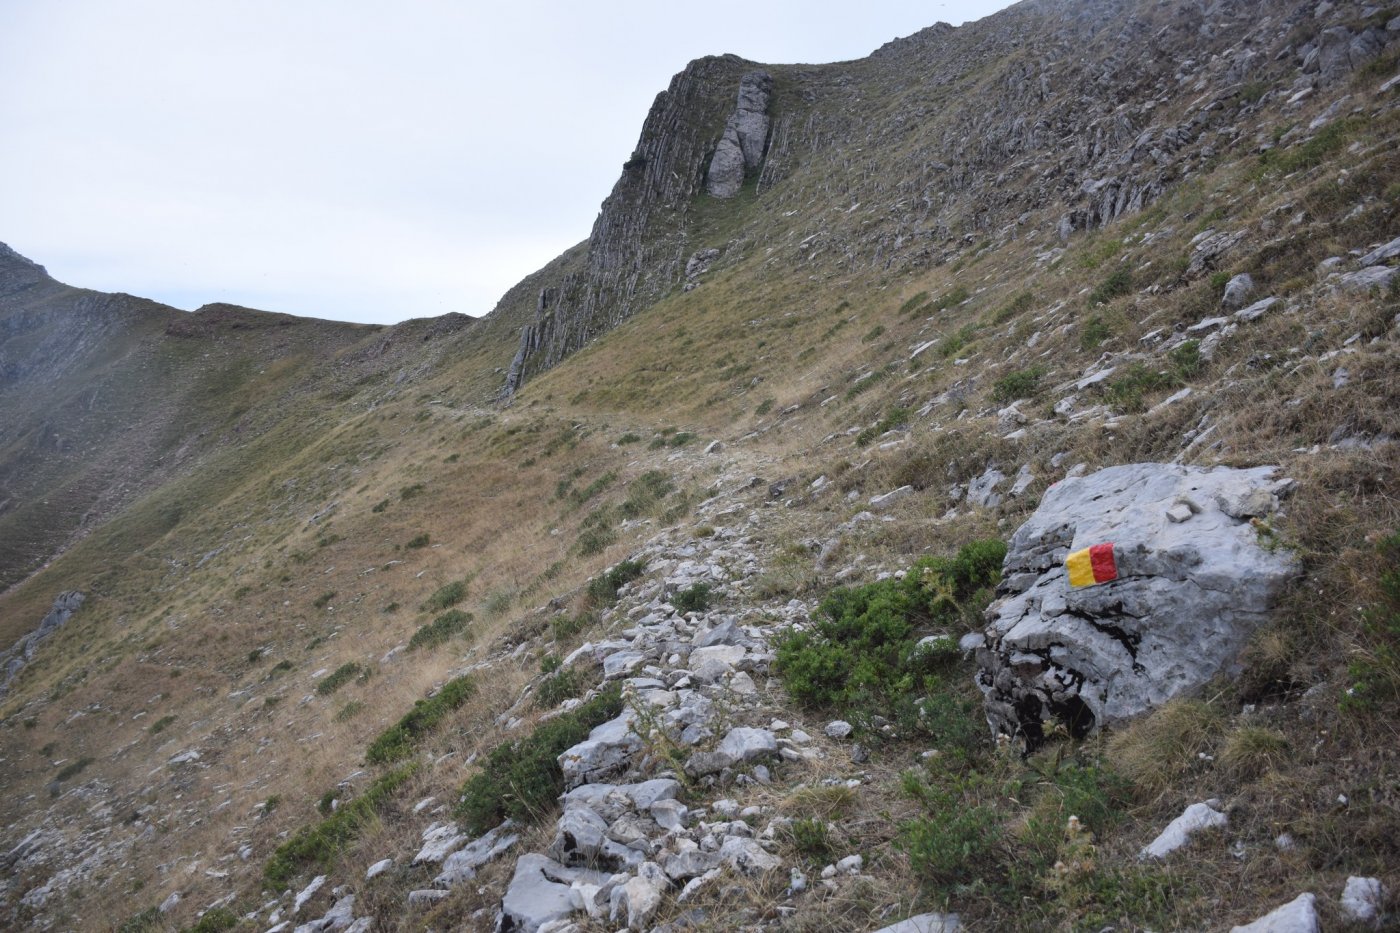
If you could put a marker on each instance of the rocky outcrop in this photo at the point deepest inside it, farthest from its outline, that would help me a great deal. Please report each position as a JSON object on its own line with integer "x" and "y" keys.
{"x": 637, "y": 249}
{"x": 13, "y": 660}
{"x": 1195, "y": 569}
{"x": 740, "y": 150}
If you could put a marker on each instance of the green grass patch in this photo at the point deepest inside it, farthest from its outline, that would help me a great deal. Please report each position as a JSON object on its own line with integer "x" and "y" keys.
{"x": 694, "y": 598}
{"x": 628, "y": 438}
{"x": 417, "y": 541}
{"x": 340, "y": 677}
{"x": 324, "y": 600}
{"x": 645, "y": 494}
{"x": 446, "y": 596}
{"x": 396, "y": 743}
{"x": 73, "y": 769}
{"x": 1016, "y": 306}
{"x": 954, "y": 343}
{"x": 450, "y": 624}
{"x": 602, "y": 589}
{"x": 897, "y": 418}
{"x": 163, "y": 723}
{"x": 914, "y": 303}
{"x": 321, "y": 844}
{"x": 1118, "y": 283}
{"x": 522, "y": 779}
{"x": 863, "y": 656}
{"x": 1023, "y": 383}
{"x": 1095, "y": 332}
{"x": 1375, "y": 669}
{"x": 1128, "y": 391}
{"x": 951, "y": 298}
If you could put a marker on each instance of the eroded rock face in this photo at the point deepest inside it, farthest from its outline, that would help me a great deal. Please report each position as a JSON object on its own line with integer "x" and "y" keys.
{"x": 1188, "y": 592}
{"x": 740, "y": 149}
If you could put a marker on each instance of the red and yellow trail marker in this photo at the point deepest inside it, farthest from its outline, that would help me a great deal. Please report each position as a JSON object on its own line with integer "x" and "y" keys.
{"x": 1092, "y": 565}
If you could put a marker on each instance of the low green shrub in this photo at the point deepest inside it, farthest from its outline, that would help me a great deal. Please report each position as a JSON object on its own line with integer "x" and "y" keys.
{"x": 73, "y": 768}
{"x": 161, "y": 724}
{"x": 1095, "y": 332}
{"x": 561, "y": 685}
{"x": 897, "y": 418}
{"x": 324, "y": 600}
{"x": 522, "y": 779}
{"x": 628, "y": 438}
{"x": 1128, "y": 391}
{"x": 811, "y": 837}
{"x": 446, "y": 596}
{"x": 417, "y": 541}
{"x": 396, "y": 743}
{"x": 645, "y": 493}
{"x": 602, "y": 589}
{"x": 694, "y": 598}
{"x": 321, "y": 843}
{"x": 215, "y": 920}
{"x": 1118, "y": 283}
{"x": 1015, "y": 306}
{"x": 451, "y": 623}
{"x": 340, "y": 677}
{"x": 862, "y": 654}
{"x": 1023, "y": 383}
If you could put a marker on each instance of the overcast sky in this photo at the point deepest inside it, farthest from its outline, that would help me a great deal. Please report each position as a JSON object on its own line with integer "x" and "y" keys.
{"x": 363, "y": 161}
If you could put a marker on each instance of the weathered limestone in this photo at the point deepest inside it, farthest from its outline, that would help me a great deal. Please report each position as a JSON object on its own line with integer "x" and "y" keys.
{"x": 741, "y": 148}
{"x": 1187, "y": 595}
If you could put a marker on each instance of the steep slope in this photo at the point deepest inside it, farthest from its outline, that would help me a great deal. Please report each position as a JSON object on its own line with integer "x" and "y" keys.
{"x": 355, "y": 637}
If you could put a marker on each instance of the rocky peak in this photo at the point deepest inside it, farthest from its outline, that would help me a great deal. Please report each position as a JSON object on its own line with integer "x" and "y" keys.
{"x": 740, "y": 150}
{"x": 17, "y": 272}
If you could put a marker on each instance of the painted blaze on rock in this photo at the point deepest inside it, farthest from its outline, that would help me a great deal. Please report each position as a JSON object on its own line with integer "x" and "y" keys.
{"x": 1086, "y": 632}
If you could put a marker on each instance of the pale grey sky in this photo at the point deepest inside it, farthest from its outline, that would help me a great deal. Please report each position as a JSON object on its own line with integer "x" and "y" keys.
{"x": 347, "y": 159}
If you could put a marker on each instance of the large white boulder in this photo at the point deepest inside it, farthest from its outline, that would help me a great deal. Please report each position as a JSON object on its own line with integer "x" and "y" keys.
{"x": 1188, "y": 593}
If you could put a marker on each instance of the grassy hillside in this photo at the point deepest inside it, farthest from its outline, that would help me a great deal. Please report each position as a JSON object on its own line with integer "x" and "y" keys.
{"x": 337, "y": 524}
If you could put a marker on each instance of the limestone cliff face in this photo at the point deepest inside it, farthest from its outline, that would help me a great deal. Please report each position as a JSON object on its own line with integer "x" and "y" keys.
{"x": 1047, "y": 119}
{"x": 637, "y": 250}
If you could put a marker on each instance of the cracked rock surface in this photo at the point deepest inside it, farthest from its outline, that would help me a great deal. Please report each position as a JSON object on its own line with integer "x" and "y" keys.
{"x": 1188, "y": 594}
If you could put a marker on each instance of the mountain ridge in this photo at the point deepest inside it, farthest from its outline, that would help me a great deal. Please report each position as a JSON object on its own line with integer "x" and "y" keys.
{"x": 352, "y": 590}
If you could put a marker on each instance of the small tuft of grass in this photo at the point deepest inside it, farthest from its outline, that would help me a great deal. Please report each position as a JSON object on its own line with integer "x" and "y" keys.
{"x": 324, "y": 600}
{"x": 1250, "y": 751}
{"x": 161, "y": 724}
{"x": 417, "y": 541}
{"x": 1156, "y": 750}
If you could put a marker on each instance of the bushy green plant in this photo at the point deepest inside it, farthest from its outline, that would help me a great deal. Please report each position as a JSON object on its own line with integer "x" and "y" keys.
{"x": 897, "y": 418}
{"x": 451, "y": 623}
{"x": 1118, "y": 283}
{"x": 396, "y": 743}
{"x": 1095, "y": 332}
{"x": 340, "y": 677}
{"x": 446, "y": 596}
{"x": 522, "y": 779}
{"x": 321, "y": 843}
{"x": 215, "y": 920}
{"x": 603, "y": 588}
{"x": 560, "y": 686}
{"x": 417, "y": 541}
{"x": 694, "y": 598}
{"x": 1128, "y": 390}
{"x": 628, "y": 438}
{"x": 646, "y": 492}
{"x": 1015, "y": 306}
{"x": 811, "y": 838}
{"x": 955, "y": 843}
{"x": 1021, "y": 384}
{"x": 863, "y": 654}
{"x": 161, "y": 724}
